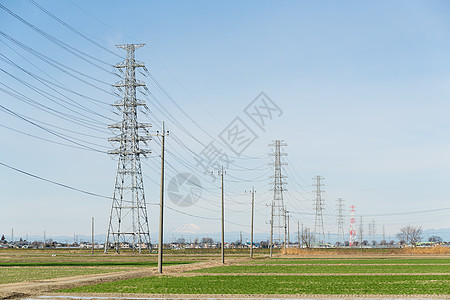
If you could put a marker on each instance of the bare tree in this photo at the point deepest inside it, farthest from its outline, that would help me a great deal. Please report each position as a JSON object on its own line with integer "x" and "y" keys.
{"x": 411, "y": 235}
{"x": 307, "y": 237}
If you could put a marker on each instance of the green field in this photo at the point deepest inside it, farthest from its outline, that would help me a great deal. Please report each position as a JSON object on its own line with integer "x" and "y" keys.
{"x": 28, "y": 265}
{"x": 242, "y": 284}
{"x": 336, "y": 269}
{"x": 11, "y": 275}
{"x": 355, "y": 274}
{"x": 332, "y": 276}
{"x": 91, "y": 264}
{"x": 366, "y": 261}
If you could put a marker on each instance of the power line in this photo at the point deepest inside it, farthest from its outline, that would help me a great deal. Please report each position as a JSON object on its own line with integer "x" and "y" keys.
{"x": 54, "y": 182}
{"x": 72, "y": 29}
{"x": 58, "y": 42}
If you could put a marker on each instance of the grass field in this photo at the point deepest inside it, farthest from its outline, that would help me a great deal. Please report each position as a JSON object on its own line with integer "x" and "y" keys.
{"x": 333, "y": 269}
{"x": 331, "y": 276}
{"x": 28, "y": 265}
{"x": 11, "y": 275}
{"x": 242, "y": 284}
{"x": 90, "y": 263}
{"x": 352, "y": 261}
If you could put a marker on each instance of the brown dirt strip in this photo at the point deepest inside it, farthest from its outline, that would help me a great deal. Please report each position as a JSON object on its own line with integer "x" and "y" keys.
{"x": 37, "y": 287}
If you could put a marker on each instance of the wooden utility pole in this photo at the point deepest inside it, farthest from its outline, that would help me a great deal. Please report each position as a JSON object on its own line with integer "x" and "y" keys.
{"x": 271, "y": 231}
{"x": 251, "y": 234}
{"x": 223, "y": 220}
{"x": 288, "y": 230}
{"x": 285, "y": 227}
{"x": 92, "y": 236}
{"x": 161, "y": 204}
{"x": 298, "y": 233}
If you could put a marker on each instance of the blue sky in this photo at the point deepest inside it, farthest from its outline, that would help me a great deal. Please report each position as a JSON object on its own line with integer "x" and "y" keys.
{"x": 363, "y": 87}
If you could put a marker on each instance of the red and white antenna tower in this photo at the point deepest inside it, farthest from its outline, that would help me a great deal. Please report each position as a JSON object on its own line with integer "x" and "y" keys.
{"x": 352, "y": 237}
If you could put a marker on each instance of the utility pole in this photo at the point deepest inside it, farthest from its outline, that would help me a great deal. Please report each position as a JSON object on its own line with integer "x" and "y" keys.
{"x": 221, "y": 173}
{"x": 340, "y": 219}
{"x": 384, "y": 234}
{"x": 318, "y": 223}
{"x": 298, "y": 234}
{"x": 161, "y": 202}
{"x": 285, "y": 228}
{"x": 278, "y": 221}
{"x": 251, "y": 231}
{"x": 271, "y": 230}
{"x": 92, "y": 236}
{"x": 361, "y": 230}
{"x": 128, "y": 221}
{"x": 12, "y": 234}
{"x": 288, "y": 229}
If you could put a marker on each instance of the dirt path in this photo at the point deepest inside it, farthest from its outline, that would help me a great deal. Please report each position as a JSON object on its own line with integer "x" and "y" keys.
{"x": 37, "y": 287}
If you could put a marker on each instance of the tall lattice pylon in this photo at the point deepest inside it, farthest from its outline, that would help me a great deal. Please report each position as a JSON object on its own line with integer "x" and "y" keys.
{"x": 278, "y": 215}
{"x": 340, "y": 219}
{"x": 319, "y": 231}
{"x": 352, "y": 233}
{"x": 128, "y": 223}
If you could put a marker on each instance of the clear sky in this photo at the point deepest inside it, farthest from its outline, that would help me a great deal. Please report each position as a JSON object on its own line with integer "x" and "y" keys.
{"x": 363, "y": 88}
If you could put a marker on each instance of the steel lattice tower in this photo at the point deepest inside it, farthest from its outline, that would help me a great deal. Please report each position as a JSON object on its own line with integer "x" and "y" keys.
{"x": 361, "y": 230}
{"x": 373, "y": 230}
{"x": 340, "y": 219}
{"x": 278, "y": 216}
{"x": 352, "y": 236}
{"x": 319, "y": 231}
{"x": 128, "y": 222}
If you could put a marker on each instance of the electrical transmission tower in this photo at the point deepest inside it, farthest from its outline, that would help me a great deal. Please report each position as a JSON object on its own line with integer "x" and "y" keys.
{"x": 361, "y": 230}
{"x": 352, "y": 236}
{"x": 278, "y": 224}
{"x": 128, "y": 222}
{"x": 340, "y": 219}
{"x": 319, "y": 232}
{"x": 374, "y": 231}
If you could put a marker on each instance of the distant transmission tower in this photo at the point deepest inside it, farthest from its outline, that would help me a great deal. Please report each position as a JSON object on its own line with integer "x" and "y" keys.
{"x": 374, "y": 231}
{"x": 319, "y": 231}
{"x": 361, "y": 230}
{"x": 128, "y": 222}
{"x": 278, "y": 215}
{"x": 352, "y": 237}
{"x": 340, "y": 219}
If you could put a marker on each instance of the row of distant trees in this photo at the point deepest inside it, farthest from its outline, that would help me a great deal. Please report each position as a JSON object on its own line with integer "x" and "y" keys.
{"x": 408, "y": 235}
